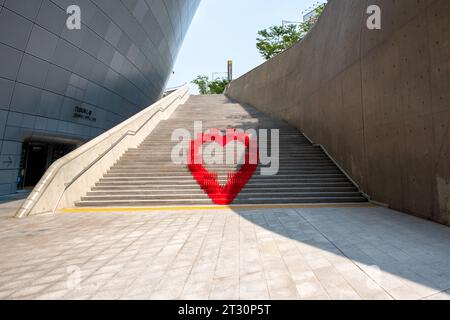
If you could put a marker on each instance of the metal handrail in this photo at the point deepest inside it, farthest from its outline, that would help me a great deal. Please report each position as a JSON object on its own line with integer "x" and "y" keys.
{"x": 128, "y": 133}
{"x": 104, "y": 153}
{"x": 51, "y": 174}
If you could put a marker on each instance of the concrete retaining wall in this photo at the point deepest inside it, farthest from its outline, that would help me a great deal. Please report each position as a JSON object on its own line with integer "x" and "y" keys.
{"x": 378, "y": 101}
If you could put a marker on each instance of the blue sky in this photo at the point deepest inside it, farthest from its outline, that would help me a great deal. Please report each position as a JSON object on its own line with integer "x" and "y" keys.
{"x": 227, "y": 29}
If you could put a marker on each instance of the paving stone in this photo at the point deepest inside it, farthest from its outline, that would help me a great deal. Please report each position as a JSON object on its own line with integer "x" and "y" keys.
{"x": 261, "y": 254}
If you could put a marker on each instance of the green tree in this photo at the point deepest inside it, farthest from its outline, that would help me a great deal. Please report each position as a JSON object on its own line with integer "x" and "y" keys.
{"x": 306, "y": 26}
{"x": 202, "y": 83}
{"x": 276, "y": 39}
{"x": 205, "y": 86}
{"x": 218, "y": 86}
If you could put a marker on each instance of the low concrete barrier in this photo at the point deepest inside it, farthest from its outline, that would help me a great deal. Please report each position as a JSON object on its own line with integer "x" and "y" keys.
{"x": 377, "y": 100}
{"x": 71, "y": 176}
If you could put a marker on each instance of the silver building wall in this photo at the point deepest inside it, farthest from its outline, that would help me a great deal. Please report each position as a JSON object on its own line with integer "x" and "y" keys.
{"x": 68, "y": 86}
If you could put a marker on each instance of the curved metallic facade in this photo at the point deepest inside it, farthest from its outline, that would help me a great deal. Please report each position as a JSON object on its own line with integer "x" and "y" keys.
{"x": 68, "y": 86}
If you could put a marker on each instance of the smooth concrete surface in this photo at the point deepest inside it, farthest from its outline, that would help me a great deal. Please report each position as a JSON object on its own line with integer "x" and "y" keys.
{"x": 304, "y": 253}
{"x": 67, "y": 179}
{"x": 116, "y": 65}
{"x": 377, "y": 100}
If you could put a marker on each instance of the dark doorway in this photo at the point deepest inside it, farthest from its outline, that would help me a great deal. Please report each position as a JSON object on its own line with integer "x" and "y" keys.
{"x": 36, "y": 163}
{"x": 37, "y": 157}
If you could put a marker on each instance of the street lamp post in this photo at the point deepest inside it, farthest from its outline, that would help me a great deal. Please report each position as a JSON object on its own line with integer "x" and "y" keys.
{"x": 229, "y": 72}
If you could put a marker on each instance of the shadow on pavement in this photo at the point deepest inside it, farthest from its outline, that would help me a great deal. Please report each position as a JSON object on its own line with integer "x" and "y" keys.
{"x": 374, "y": 239}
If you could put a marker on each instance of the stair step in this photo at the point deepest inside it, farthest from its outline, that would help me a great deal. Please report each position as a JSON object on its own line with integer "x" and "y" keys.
{"x": 193, "y": 184}
{"x": 242, "y": 195}
{"x": 250, "y": 201}
{"x": 153, "y": 168}
{"x": 197, "y": 190}
{"x": 300, "y": 177}
{"x": 187, "y": 174}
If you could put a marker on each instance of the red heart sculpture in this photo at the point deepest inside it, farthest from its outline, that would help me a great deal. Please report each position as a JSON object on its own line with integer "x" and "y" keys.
{"x": 236, "y": 180}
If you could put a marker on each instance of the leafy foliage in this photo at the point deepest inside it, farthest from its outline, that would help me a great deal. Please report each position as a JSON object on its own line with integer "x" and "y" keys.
{"x": 202, "y": 83}
{"x": 205, "y": 86}
{"x": 218, "y": 86}
{"x": 276, "y": 39}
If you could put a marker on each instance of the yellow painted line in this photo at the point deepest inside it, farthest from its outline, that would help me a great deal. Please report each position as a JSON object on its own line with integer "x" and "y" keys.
{"x": 215, "y": 208}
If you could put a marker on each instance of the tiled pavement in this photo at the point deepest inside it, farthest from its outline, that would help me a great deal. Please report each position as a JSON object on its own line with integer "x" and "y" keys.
{"x": 320, "y": 253}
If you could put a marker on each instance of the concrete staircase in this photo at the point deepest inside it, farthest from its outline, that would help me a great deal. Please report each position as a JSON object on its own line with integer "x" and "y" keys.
{"x": 146, "y": 176}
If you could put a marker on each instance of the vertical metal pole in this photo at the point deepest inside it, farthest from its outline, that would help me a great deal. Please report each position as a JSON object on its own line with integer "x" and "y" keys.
{"x": 230, "y": 70}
